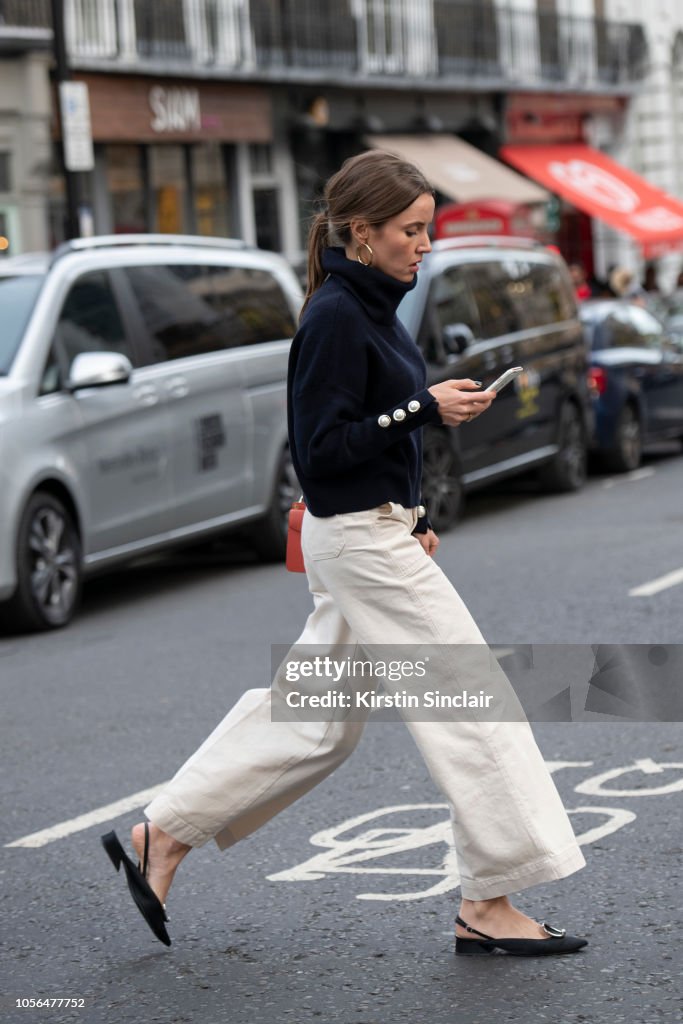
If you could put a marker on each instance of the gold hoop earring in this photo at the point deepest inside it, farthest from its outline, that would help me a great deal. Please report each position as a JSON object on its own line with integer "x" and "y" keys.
{"x": 364, "y": 245}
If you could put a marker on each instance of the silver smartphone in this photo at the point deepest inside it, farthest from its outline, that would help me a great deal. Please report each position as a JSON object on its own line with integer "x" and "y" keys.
{"x": 505, "y": 379}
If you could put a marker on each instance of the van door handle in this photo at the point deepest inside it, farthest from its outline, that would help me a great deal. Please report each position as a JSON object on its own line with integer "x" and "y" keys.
{"x": 177, "y": 387}
{"x": 146, "y": 394}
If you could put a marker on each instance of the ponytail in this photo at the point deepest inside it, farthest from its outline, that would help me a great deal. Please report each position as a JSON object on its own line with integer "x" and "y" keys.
{"x": 318, "y": 239}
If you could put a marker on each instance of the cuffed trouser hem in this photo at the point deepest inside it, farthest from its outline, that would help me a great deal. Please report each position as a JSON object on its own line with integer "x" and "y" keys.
{"x": 161, "y": 815}
{"x": 546, "y": 869}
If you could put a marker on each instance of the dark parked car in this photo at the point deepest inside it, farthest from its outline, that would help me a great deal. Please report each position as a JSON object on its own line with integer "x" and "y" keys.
{"x": 636, "y": 380}
{"x": 483, "y": 305}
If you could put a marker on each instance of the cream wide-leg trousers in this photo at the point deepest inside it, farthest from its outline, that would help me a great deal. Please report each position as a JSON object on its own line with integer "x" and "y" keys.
{"x": 373, "y": 584}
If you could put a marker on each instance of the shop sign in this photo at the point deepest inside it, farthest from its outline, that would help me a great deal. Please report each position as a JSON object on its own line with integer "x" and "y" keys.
{"x": 175, "y": 109}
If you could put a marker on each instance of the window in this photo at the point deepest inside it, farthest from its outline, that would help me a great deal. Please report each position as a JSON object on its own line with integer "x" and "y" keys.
{"x": 452, "y": 300}
{"x": 176, "y": 310}
{"x": 539, "y": 293}
{"x": 5, "y": 175}
{"x": 189, "y": 310}
{"x": 211, "y": 207}
{"x": 90, "y": 320}
{"x": 126, "y": 188}
{"x": 491, "y": 285}
{"x": 168, "y": 179}
{"x": 628, "y": 326}
{"x": 17, "y": 299}
{"x": 251, "y": 304}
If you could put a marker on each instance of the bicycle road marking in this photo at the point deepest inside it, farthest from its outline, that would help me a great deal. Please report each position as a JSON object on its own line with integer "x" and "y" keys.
{"x": 670, "y": 579}
{"x": 593, "y": 786}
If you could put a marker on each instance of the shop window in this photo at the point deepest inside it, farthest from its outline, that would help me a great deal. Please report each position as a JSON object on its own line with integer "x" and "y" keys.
{"x": 125, "y": 187}
{"x": 267, "y": 219}
{"x": 210, "y": 193}
{"x": 5, "y": 174}
{"x": 261, "y": 159}
{"x": 90, "y": 320}
{"x": 169, "y": 186}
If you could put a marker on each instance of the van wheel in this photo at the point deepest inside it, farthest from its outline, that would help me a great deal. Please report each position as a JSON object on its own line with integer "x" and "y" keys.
{"x": 269, "y": 534}
{"x": 49, "y": 569}
{"x": 568, "y": 468}
{"x": 442, "y": 489}
{"x": 627, "y": 451}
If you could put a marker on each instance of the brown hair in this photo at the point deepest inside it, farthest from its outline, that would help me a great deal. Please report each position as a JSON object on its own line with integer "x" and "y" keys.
{"x": 374, "y": 186}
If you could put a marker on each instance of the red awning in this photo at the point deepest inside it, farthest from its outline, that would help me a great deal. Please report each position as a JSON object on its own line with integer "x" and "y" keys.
{"x": 603, "y": 188}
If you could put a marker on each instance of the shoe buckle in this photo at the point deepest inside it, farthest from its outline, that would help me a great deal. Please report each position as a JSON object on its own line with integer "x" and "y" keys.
{"x": 555, "y": 933}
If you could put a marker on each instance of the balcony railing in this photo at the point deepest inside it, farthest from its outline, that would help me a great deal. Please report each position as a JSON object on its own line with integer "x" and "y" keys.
{"x": 437, "y": 41}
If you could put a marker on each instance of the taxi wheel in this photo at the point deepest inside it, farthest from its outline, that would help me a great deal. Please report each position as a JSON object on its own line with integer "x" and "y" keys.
{"x": 49, "y": 570}
{"x": 269, "y": 534}
{"x": 442, "y": 490}
{"x": 568, "y": 468}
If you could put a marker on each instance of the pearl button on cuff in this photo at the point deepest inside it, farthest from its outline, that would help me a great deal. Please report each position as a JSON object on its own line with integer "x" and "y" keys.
{"x": 384, "y": 420}
{"x": 421, "y": 511}
{"x": 413, "y": 406}
{"x": 399, "y": 414}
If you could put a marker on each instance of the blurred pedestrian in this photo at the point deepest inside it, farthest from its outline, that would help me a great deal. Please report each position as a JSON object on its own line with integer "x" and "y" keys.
{"x": 357, "y": 400}
{"x": 625, "y": 285}
{"x": 582, "y": 289}
{"x": 650, "y": 279}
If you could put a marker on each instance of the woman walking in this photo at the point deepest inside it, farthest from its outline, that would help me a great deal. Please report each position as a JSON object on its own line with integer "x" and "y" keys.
{"x": 356, "y": 402}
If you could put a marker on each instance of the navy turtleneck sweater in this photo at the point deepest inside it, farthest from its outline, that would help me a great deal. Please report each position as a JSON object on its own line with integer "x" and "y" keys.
{"x": 356, "y": 394}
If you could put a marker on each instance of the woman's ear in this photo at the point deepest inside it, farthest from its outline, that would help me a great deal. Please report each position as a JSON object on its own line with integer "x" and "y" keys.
{"x": 360, "y": 230}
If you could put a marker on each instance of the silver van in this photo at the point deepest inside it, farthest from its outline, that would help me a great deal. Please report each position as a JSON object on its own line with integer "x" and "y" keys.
{"x": 142, "y": 404}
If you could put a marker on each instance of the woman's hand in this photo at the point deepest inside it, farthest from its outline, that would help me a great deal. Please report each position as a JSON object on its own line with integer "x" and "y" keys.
{"x": 460, "y": 400}
{"x": 428, "y": 540}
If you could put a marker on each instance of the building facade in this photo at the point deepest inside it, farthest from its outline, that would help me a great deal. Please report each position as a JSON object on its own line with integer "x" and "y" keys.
{"x": 224, "y": 116}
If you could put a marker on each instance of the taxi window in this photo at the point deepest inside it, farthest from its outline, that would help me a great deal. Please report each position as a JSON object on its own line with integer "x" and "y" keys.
{"x": 493, "y": 288}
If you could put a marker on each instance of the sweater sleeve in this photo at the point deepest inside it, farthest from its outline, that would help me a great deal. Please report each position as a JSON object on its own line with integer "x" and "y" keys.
{"x": 332, "y": 431}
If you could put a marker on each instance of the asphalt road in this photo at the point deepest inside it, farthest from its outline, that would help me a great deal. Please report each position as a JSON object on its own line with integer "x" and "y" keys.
{"x": 285, "y": 928}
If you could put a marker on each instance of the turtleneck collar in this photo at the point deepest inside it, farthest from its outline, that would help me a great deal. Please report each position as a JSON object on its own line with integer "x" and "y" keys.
{"x": 379, "y": 293}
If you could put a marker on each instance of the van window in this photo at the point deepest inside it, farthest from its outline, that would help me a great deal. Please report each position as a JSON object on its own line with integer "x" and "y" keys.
{"x": 90, "y": 320}
{"x": 492, "y": 286}
{"x": 176, "y": 311}
{"x": 18, "y": 295}
{"x": 191, "y": 310}
{"x": 252, "y": 303}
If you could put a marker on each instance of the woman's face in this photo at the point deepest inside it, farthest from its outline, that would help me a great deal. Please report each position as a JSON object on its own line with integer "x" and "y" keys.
{"x": 400, "y": 243}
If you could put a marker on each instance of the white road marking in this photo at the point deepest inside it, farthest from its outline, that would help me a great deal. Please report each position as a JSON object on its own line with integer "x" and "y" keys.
{"x": 627, "y": 478}
{"x": 83, "y": 821}
{"x": 670, "y": 579}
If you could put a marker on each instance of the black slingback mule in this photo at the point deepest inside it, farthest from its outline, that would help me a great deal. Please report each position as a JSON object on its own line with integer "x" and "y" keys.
{"x": 146, "y": 900}
{"x": 557, "y": 942}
